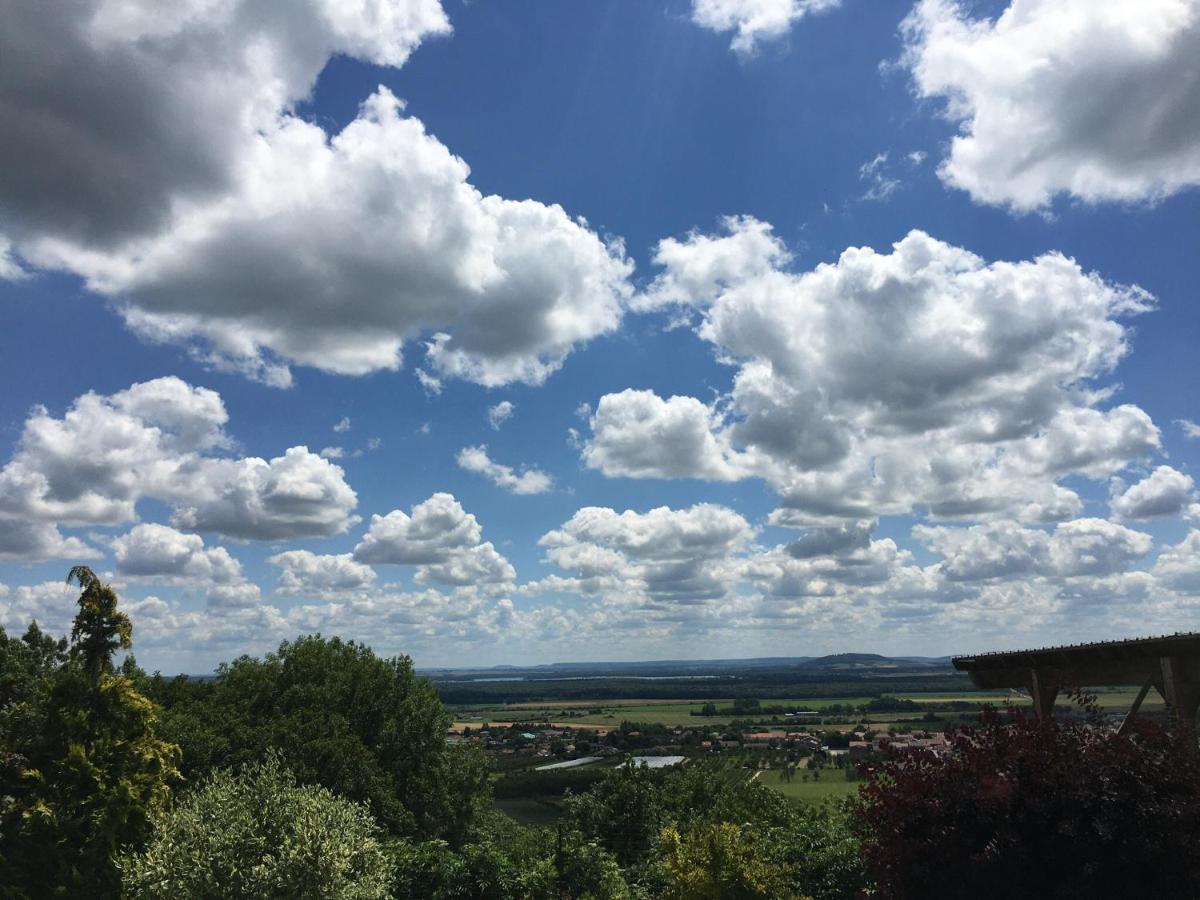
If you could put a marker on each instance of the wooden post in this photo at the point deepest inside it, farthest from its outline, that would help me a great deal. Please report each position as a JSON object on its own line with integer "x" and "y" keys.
{"x": 1044, "y": 690}
{"x": 1182, "y": 695}
{"x": 1137, "y": 704}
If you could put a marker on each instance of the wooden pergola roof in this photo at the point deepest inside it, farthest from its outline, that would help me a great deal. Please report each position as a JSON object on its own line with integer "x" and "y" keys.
{"x": 1102, "y": 663}
{"x": 1170, "y": 664}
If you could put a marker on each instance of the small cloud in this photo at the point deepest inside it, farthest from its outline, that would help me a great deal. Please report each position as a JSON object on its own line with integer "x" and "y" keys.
{"x": 529, "y": 481}
{"x": 917, "y": 157}
{"x": 880, "y": 185}
{"x": 500, "y": 413}
{"x": 1190, "y": 429}
{"x": 584, "y": 411}
{"x": 374, "y": 443}
{"x": 425, "y": 428}
{"x": 431, "y": 383}
{"x": 343, "y": 425}
{"x": 332, "y": 453}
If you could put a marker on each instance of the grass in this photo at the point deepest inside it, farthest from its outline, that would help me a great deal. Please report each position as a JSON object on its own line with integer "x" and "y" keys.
{"x": 612, "y": 712}
{"x": 833, "y": 784}
{"x": 670, "y": 713}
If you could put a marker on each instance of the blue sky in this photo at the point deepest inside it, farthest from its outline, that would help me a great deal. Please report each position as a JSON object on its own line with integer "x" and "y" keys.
{"x": 230, "y": 233}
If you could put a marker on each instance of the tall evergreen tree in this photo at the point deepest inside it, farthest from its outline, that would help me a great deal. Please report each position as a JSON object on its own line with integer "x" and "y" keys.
{"x": 84, "y": 768}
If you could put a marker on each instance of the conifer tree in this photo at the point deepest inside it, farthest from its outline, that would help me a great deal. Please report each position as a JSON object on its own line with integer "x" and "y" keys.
{"x": 85, "y": 770}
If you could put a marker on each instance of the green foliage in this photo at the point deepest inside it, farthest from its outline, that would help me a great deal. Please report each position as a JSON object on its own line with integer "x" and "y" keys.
{"x": 81, "y": 768}
{"x": 100, "y": 629}
{"x": 258, "y": 833}
{"x": 718, "y": 862}
{"x": 580, "y": 870}
{"x": 366, "y": 728}
{"x": 512, "y": 863}
{"x": 811, "y": 851}
{"x": 819, "y": 851}
{"x": 550, "y": 783}
{"x": 625, "y": 812}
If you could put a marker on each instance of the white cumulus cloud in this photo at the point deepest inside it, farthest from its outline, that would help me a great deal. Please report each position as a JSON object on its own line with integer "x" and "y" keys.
{"x": 441, "y": 539}
{"x": 528, "y": 481}
{"x": 1164, "y": 492}
{"x": 882, "y": 383}
{"x": 152, "y": 550}
{"x": 1096, "y": 99}
{"x": 182, "y": 185}
{"x": 754, "y": 21}
{"x": 305, "y": 572}
{"x": 159, "y": 439}
{"x": 1005, "y": 550}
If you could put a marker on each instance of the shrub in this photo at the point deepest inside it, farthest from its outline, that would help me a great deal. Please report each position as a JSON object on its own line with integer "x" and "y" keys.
{"x": 1038, "y": 808}
{"x": 258, "y": 833}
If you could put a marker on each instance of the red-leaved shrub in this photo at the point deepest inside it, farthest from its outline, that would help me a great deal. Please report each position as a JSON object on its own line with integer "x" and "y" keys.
{"x": 1026, "y": 808}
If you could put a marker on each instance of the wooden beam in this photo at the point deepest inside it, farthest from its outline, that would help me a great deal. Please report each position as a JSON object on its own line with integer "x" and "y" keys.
{"x": 1043, "y": 687}
{"x": 1137, "y": 704}
{"x": 1180, "y": 692}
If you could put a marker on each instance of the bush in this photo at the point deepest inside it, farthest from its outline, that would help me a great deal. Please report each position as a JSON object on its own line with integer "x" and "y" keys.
{"x": 518, "y": 864}
{"x": 1038, "y": 808}
{"x": 719, "y": 862}
{"x": 259, "y": 834}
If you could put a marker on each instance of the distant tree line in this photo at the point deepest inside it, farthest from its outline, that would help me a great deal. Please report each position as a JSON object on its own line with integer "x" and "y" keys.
{"x": 770, "y": 684}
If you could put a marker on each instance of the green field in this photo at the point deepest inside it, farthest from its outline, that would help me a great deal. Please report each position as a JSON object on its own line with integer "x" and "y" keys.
{"x": 610, "y": 713}
{"x": 833, "y": 785}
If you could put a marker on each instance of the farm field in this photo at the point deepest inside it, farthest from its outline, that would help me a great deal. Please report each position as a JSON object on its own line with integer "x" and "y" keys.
{"x": 833, "y": 785}
{"x": 610, "y": 713}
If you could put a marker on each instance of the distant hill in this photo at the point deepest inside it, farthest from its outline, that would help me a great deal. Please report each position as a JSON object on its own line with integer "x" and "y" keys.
{"x": 874, "y": 661}
{"x": 853, "y": 661}
{"x": 697, "y": 668}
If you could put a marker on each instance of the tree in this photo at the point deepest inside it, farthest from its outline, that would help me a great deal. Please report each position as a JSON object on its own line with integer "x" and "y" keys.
{"x": 258, "y": 833}
{"x": 100, "y": 629}
{"x": 511, "y": 863}
{"x": 367, "y": 728}
{"x": 1038, "y": 808}
{"x": 819, "y": 851}
{"x": 625, "y": 812}
{"x": 84, "y": 769}
{"x": 719, "y": 862}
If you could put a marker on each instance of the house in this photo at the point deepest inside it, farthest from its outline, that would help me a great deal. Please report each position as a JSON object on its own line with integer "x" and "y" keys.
{"x": 762, "y": 737}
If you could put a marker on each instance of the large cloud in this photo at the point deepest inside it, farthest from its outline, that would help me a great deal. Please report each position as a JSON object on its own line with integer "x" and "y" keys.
{"x": 293, "y": 495}
{"x": 1003, "y": 550}
{"x": 441, "y": 538}
{"x": 754, "y": 21}
{"x": 116, "y": 112}
{"x": 158, "y": 439}
{"x": 30, "y": 542}
{"x": 1164, "y": 492}
{"x": 887, "y": 382}
{"x": 150, "y": 550}
{"x": 640, "y": 435}
{"x": 1098, "y": 99}
{"x": 305, "y": 572}
{"x": 1178, "y": 566}
{"x": 264, "y": 241}
{"x": 661, "y": 558}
